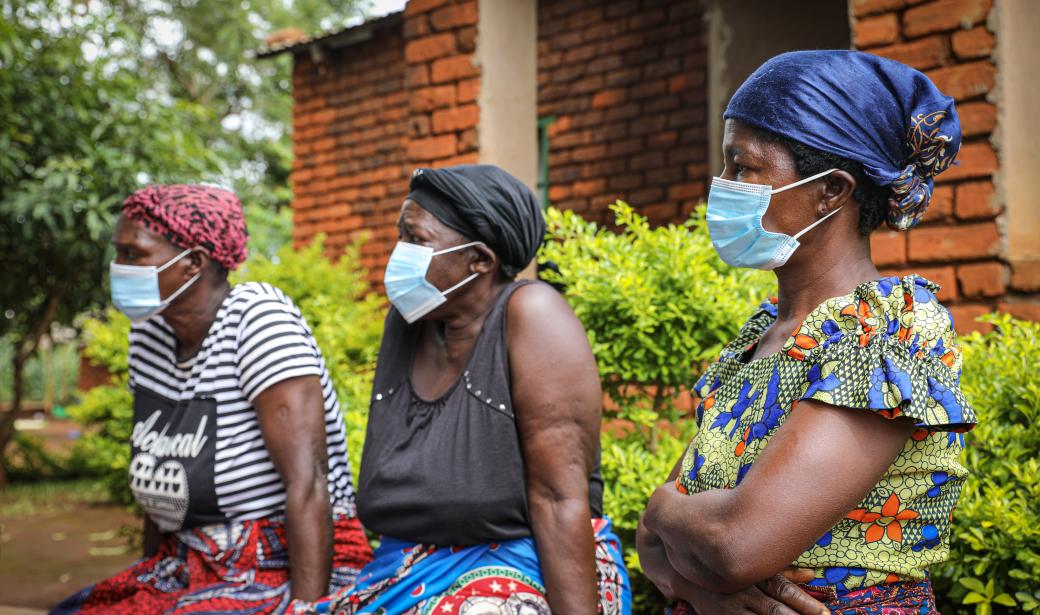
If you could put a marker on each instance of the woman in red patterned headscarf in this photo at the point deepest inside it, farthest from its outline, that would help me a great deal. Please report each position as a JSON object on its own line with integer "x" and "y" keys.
{"x": 239, "y": 456}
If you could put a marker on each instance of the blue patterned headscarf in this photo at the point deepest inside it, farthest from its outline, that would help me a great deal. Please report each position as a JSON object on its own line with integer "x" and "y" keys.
{"x": 880, "y": 113}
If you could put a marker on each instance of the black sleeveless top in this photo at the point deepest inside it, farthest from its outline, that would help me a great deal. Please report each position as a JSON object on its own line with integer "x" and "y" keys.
{"x": 450, "y": 471}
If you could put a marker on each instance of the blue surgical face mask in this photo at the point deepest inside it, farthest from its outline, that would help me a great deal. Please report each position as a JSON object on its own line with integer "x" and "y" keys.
{"x": 735, "y": 211}
{"x": 405, "y": 279}
{"x": 135, "y": 288}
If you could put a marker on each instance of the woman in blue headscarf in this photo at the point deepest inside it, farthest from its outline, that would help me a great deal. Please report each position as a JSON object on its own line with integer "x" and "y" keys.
{"x": 831, "y": 426}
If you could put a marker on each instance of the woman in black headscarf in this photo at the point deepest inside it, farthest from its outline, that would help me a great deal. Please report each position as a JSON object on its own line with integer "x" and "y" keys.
{"x": 481, "y": 463}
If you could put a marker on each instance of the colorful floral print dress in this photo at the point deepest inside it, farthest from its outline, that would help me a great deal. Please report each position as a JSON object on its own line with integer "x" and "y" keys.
{"x": 887, "y": 347}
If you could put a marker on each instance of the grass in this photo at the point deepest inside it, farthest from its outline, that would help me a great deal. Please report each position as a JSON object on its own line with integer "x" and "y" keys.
{"x": 29, "y": 499}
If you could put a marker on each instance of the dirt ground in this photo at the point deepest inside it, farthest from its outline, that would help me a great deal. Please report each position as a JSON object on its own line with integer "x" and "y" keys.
{"x": 56, "y": 538}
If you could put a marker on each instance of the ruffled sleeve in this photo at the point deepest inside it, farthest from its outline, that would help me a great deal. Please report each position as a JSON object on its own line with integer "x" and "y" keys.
{"x": 748, "y": 336}
{"x": 888, "y": 347}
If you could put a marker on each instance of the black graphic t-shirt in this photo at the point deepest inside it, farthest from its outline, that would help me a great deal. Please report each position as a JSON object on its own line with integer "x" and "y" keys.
{"x": 197, "y": 454}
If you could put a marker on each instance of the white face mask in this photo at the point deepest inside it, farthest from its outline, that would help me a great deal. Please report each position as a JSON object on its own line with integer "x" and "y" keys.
{"x": 405, "y": 280}
{"x": 135, "y": 288}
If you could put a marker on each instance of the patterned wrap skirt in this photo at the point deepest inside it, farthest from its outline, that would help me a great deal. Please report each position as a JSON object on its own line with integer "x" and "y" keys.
{"x": 406, "y": 578}
{"x": 903, "y": 598}
{"x": 240, "y": 567}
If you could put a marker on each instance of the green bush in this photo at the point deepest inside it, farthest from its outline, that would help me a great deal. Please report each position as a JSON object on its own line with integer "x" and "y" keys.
{"x": 994, "y": 564}
{"x": 334, "y": 297}
{"x": 656, "y": 302}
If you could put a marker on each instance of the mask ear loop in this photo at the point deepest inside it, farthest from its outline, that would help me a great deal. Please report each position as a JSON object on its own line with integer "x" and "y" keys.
{"x": 817, "y": 223}
{"x": 803, "y": 181}
{"x": 470, "y": 278}
{"x": 175, "y": 259}
{"x": 177, "y": 293}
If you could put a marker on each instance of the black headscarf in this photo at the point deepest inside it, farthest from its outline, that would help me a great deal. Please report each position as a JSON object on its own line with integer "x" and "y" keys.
{"x": 486, "y": 204}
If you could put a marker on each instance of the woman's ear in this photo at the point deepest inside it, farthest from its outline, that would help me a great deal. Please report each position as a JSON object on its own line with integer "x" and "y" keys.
{"x": 837, "y": 191}
{"x": 486, "y": 260}
{"x": 198, "y": 261}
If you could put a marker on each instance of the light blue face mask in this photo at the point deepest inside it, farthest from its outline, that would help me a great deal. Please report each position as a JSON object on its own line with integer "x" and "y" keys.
{"x": 135, "y": 288}
{"x": 405, "y": 280}
{"x": 735, "y": 211}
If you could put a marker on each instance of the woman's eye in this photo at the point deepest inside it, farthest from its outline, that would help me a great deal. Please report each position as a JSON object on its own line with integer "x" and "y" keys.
{"x": 739, "y": 169}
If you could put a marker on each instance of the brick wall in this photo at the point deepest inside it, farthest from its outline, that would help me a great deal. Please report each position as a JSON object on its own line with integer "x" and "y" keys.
{"x": 959, "y": 241}
{"x": 625, "y": 80}
{"x": 366, "y": 114}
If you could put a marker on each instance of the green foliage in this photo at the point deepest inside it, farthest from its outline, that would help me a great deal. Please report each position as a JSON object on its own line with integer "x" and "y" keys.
{"x": 334, "y": 297}
{"x": 631, "y": 472}
{"x": 656, "y": 303}
{"x": 994, "y": 564}
{"x": 77, "y": 135}
{"x": 54, "y": 370}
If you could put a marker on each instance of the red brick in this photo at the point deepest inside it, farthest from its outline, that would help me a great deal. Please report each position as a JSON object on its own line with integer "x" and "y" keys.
{"x": 667, "y": 138}
{"x": 944, "y": 277}
{"x": 660, "y": 213}
{"x": 455, "y": 118}
{"x": 975, "y": 200}
{"x": 975, "y": 43}
{"x": 941, "y": 207}
{"x": 428, "y": 99}
{"x": 414, "y": 7}
{"x": 888, "y": 248}
{"x": 862, "y": 8}
{"x": 922, "y": 54}
{"x": 977, "y": 118}
{"x": 609, "y": 98}
{"x": 964, "y": 80}
{"x": 453, "y": 69}
{"x": 429, "y": 48}
{"x": 945, "y": 243}
{"x": 1025, "y": 276}
{"x": 467, "y": 141}
{"x": 431, "y": 148}
{"x": 415, "y": 27}
{"x": 1023, "y": 311}
{"x": 683, "y": 192}
{"x": 944, "y": 15}
{"x": 469, "y": 90}
{"x": 558, "y": 193}
{"x": 417, "y": 76}
{"x": 964, "y": 316}
{"x": 976, "y": 160}
{"x": 626, "y": 147}
{"x": 646, "y": 195}
{"x": 874, "y": 31}
{"x": 467, "y": 39}
{"x": 686, "y": 81}
{"x": 589, "y": 187}
{"x": 454, "y": 16}
{"x": 982, "y": 279}
{"x": 589, "y": 153}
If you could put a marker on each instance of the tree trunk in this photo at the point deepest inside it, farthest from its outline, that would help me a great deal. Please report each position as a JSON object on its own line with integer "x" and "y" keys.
{"x": 7, "y": 418}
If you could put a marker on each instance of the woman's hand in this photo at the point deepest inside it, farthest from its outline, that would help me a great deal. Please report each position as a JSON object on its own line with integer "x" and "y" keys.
{"x": 775, "y": 596}
{"x": 778, "y": 595}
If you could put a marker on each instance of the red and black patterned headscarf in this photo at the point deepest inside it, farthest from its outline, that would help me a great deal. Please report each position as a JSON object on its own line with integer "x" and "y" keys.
{"x": 191, "y": 215}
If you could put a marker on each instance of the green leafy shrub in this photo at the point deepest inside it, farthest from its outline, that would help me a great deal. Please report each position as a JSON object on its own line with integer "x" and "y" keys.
{"x": 334, "y": 297}
{"x": 994, "y": 564}
{"x": 656, "y": 303}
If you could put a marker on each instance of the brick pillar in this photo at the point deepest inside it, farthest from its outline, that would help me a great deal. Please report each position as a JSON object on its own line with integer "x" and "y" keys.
{"x": 958, "y": 243}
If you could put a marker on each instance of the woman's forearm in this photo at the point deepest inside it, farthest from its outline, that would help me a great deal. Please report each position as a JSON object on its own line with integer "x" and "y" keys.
{"x": 567, "y": 552}
{"x": 308, "y": 532}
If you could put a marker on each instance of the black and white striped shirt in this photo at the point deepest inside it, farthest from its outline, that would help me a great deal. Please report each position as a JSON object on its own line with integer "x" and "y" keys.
{"x": 258, "y": 339}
